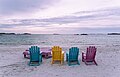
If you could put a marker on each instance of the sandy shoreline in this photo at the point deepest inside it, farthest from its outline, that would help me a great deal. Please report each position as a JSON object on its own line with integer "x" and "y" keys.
{"x": 13, "y": 64}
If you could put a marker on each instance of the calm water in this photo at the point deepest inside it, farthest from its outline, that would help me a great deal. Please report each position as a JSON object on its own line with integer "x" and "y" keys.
{"x": 64, "y": 40}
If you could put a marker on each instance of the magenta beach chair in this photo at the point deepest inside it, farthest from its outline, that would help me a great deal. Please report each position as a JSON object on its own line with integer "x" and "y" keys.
{"x": 89, "y": 56}
{"x": 26, "y": 54}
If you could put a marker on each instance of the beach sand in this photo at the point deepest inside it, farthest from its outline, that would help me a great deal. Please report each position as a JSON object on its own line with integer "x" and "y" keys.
{"x": 13, "y": 64}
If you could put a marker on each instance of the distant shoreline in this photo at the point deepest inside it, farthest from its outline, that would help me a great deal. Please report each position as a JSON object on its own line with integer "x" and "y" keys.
{"x": 113, "y": 33}
{"x": 14, "y": 34}
{"x": 60, "y": 34}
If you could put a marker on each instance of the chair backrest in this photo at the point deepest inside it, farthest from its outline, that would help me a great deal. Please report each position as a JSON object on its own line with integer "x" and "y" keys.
{"x": 91, "y": 52}
{"x": 73, "y": 53}
{"x": 34, "y": 53}
{"x": 56, "y": 52}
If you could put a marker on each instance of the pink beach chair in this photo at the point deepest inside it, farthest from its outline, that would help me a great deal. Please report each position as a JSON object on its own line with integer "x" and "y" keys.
{"x": 26, "y": 54}
{"x": 89, "y": 56}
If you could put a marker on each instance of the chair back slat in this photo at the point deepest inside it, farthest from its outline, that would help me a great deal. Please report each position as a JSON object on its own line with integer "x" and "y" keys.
{"x": 34, "y": 53}
{"x": 73, "y": 53}
{"x": 56, "y": 52}
{"x": 90, "y": 54}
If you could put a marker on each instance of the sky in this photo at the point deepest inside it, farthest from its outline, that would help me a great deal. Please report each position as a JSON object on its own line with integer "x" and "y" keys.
{"x": 59, "y": 16}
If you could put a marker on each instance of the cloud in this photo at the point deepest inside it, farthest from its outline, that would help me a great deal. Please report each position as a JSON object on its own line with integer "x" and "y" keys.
{"x": 98, "y": 30}
{"x": 9, "y": 7}
{"x": 82, "y": 16}
{"x": 105, "y": 20}
{"x": 106, "y": 15}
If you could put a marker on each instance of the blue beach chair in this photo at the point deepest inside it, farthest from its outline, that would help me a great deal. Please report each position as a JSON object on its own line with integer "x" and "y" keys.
{"x": 35, "y": 56}
{"x": 72, "y": 56}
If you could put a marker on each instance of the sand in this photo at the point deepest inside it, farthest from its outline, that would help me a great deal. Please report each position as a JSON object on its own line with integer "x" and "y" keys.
{"x": 13, "y": 64}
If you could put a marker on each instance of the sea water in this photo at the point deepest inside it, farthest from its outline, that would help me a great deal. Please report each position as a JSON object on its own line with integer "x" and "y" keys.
{"x": 63, "y": 40}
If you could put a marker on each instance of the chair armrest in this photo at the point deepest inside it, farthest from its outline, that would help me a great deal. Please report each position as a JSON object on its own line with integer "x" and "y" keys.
{"x": 63, "y": 52}
{"x": 26, "y": 53}
{"x": 67, "y": 52}
{"x": 40, "y": 53}
{"x": 83, "y": 53}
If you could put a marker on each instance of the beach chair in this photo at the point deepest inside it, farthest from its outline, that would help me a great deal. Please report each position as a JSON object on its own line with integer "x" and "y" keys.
{"x": 89, "y": 56}
{"x": 57, "y": 54}
{"x": 72, "y": 56}
{"x": 35, "y": 56}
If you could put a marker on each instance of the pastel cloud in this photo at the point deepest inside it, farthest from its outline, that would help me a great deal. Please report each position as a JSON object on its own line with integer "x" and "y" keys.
{"x": 63, "y": 16}
{"x": 9, "y": 7}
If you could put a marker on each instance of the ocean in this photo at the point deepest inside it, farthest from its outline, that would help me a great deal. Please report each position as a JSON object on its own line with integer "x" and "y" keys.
{"x": 63, "y": 40}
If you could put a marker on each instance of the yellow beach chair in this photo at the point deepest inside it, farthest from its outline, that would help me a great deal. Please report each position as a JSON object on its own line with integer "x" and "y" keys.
{"x": 57, "y": 54}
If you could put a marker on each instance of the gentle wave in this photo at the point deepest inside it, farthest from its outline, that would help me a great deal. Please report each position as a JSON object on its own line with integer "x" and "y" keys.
{"x": 61, "y": 40}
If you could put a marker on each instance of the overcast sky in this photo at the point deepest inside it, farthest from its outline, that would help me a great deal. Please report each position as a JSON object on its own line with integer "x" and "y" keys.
{"x": 60, "y": 16}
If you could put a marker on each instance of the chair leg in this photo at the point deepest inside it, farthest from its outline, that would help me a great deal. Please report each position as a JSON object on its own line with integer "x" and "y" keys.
{"x": 91, "y": 64}
{"x": 66, "y": 57}
{"x": 62, "y": 58}
{"x": 61, "y": 62}
{"x": 85, "y": 62}
{"x": 40, "y": 58}
{"x": 68, "y": 62}
{"x": 82, "y": 57}
{"x": 82, "y": 60}
{"x": 52, "y": 61}
{"x": 78, "y": 62}
{"x": 24, "y": 56}
{"x": 95, "y": 62}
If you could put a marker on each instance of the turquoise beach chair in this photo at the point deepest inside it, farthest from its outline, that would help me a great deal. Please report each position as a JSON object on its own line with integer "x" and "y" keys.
{"x": 35, "y": 56}
{"x": 72, "y": 56}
